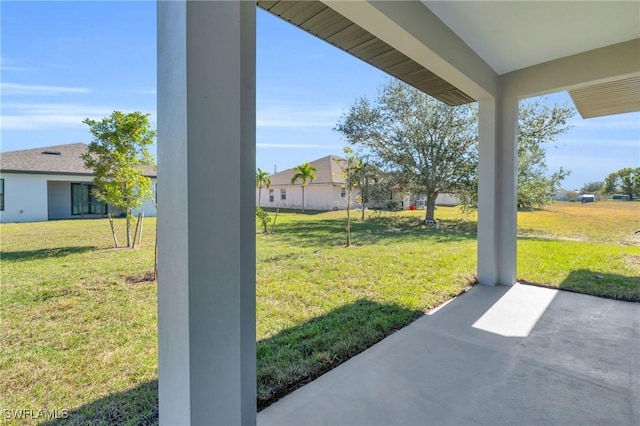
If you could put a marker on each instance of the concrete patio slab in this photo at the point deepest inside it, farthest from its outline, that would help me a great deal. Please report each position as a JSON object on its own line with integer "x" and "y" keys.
{"x": 578, "y": 363}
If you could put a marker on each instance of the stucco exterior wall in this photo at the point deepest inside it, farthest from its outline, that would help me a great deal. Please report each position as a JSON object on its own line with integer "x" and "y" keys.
{"x": 447, "y": 200}
{"x": 316, "y": 197}
{"x": 25, "y": 198}
{"x": 328, "y": 197}
{"x": 38, "y": 197}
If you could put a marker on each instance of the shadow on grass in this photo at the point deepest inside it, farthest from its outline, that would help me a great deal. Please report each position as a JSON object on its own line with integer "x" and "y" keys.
{"x": 136, "y": 406}
{"x": 285, "y": 361}
{"x": 331, "y": 232}
{"x": 610, "y": 286}
{"x": 299, "y": 354}
{"x": 23, "y": 256}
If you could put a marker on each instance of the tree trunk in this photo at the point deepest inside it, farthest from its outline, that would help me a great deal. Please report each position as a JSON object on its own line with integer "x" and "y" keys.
{"x": 430, "y": 204}
{"x": 302, "y": 199}
{"x": 348, "y": 224}
{"x": 363, "y": 206}
{"x": 137, "y": 235}
{"x": 259, "y": 194}
{"x": 273, "y": 224}
{"x": 113, "y": 230}
{"x": 141, "y": 216}
{"x": 128, "y": 228}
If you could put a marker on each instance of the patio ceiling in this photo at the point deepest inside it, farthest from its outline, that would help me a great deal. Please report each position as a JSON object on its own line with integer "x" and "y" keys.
{"x": 514, "y": 35}
{"x": 517, "y": 34}
{"x": 507, "y": 36}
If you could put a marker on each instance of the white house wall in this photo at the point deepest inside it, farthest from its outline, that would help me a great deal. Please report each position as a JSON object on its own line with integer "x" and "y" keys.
{"x": 316, "y": 197}
{"x": 25, "y": 198}
{"x": 147, "y": 208}
{"x": 447, "y": 200}
{"x": 38, "y": 197}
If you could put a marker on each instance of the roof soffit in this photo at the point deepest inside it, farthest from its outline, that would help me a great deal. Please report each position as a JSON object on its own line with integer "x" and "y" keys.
{"x": 327, "y": 24}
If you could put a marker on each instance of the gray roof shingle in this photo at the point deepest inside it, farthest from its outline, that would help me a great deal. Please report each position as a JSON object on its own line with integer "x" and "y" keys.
{"x": 58, "y": 159}
{"x": 328, "y": 171}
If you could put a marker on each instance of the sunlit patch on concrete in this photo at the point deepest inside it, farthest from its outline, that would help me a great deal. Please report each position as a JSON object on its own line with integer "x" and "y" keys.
{"x": 517, "y": 312}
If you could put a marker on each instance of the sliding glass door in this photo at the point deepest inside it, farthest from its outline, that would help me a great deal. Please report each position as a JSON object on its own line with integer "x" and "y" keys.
{"x": 84, "y": 202}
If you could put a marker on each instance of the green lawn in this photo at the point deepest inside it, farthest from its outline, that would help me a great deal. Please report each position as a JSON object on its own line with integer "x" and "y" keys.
{"x": 79, "y": 335}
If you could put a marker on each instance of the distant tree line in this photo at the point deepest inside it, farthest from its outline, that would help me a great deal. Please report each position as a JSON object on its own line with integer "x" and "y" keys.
{"x": 625, "y": 182}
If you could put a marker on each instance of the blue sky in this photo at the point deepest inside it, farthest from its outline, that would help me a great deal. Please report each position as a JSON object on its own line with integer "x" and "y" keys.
{"x": 64, "y": 61}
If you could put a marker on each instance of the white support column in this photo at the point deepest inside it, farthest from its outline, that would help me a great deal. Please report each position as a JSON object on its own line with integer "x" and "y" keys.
{"x": 497, "y": 191}
{"x": 206, "y": 225}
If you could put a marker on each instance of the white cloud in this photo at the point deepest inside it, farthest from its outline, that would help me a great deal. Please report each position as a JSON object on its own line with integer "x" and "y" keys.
{"x": 296, "y": 146}
{"x": 146, "y": 92}
{"x": 6, "y": 65}
{"x": 13, "y": 68}
{"x": 27, "y": 116}
{"x": 296, "y": 115}
{"x": 11, "y": 89}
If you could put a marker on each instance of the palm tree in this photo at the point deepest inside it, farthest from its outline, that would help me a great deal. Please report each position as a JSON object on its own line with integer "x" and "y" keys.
{"x": 306, "y": 173}
{"x": 262, "y": 178}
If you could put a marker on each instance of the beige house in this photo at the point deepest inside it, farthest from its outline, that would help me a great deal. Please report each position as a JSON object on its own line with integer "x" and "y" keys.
{"x": 325, "y": 192}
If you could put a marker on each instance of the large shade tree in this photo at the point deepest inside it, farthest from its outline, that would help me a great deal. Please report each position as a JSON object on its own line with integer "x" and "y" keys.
{"x": 539, "y": 126}
{"x": 432, "y": 147}
{"x": 305, "y": 173}
{"x": 119, "y": 157}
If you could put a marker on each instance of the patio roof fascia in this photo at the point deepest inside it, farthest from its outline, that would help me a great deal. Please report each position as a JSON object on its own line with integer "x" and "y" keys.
{"x": 614, "y": 97}
{"x": 412, "y": 29}
{"x": 606, "y": 64}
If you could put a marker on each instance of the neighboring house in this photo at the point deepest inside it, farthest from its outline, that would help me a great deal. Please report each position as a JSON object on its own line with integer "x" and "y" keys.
{"x": 449, "y": 200}
{"x": 51, "y": 183}
{"x": 326, "y": 192}
{"x": 404, "y": 201}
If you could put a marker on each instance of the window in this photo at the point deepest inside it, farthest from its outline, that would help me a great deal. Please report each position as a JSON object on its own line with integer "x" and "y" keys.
{"x": 272, "y": 196}
{"x": 84, "y": 202}
{"x": 1, "y": 194}
{"x": 283, "y": 193}
{"x": 343, "y": 192}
